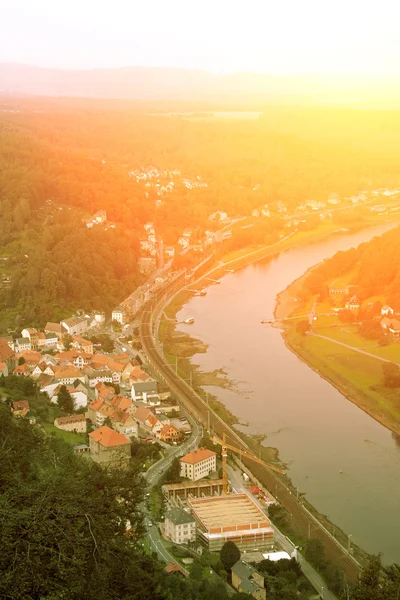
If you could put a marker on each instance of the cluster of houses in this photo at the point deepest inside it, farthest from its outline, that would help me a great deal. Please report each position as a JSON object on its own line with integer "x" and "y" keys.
{"x": 389, "y": 323}
{"x": 143, "y": 412}
{"x": 53, "y": 335}
{"x": 99, "y": 218}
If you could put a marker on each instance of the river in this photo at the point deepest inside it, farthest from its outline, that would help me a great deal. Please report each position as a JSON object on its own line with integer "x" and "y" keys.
{"x": 320, "y": 434}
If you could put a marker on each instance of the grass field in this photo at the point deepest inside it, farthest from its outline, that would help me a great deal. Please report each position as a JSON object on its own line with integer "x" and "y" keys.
{"x": 357, "y": 376}
{"x": 69, "y": 437}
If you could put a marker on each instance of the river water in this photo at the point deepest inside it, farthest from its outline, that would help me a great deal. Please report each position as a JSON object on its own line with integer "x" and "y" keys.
{"x": 321, "y": 436}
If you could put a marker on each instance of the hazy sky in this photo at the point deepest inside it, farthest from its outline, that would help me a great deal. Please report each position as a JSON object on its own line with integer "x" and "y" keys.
{"x": 279, "y": 36}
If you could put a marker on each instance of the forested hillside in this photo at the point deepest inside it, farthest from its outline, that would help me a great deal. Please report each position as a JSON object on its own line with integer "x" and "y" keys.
{"x": 61, "y": 160}
{"x": 373, "y": 266}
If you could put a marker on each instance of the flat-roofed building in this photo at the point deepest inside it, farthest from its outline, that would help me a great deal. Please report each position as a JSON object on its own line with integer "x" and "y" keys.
{"x": 198, "y": 464}
{"x": 233, "y": 518}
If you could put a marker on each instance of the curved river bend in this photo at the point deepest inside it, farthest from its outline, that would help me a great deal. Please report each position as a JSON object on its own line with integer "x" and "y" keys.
{"x": 318, "y": 432}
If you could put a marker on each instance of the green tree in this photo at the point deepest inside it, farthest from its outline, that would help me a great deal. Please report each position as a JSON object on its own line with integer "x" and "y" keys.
{"x": 65, "y": 401}
{"x": 21, "y": 360}
{"x": 67, "y": 341}
{"x": 315, "y": 553}
{"x": 76, "y": 549}
{"x": 391, "y": 375}
{"x": 229, "y": 555}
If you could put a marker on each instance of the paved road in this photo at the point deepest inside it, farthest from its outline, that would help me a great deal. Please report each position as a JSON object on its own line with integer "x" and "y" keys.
{"x": 325, "y": 337}
{"x": 153, "y": 475}
{"x": 282, "y": 541}
{"x": 193, "y": 402}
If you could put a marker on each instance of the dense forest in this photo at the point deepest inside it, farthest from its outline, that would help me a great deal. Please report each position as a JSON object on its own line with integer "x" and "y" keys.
{"x": 373, "y": 267}
{"x": 61, "y": 160}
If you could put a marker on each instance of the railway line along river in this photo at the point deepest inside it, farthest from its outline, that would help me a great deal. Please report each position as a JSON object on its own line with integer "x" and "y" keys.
{"x": 345, "y": 462}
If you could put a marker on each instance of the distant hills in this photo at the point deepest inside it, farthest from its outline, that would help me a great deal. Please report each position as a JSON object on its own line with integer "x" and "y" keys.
{"x": 142, "y": 83}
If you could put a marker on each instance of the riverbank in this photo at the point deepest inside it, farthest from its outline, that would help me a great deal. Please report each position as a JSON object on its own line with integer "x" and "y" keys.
{"x": 358, "y": 377}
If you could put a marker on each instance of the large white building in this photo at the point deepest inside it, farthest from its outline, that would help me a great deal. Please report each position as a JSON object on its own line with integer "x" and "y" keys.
{"x": 198, "y": 464}
{"x": 180, "y": 526}
{"x": 118, "y": 314}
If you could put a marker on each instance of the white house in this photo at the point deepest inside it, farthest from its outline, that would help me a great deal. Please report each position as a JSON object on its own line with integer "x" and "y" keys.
{"x": 198, "y": 464}
{"x": 387, "y": 310}
{"x": 180, "y": 526}
{"x": 118, "y": 314}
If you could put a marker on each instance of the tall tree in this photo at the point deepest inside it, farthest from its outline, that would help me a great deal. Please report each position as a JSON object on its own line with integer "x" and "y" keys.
{"x": 65, "y": 401}
{"x": 229, "y": 555}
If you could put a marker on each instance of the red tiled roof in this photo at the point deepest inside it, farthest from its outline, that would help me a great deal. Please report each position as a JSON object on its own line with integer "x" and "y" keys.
{"x": 197, "y": 456}
{"x": 142, "y": 413}
{"x": 109, "y": 438}
{"x": 5, "y": 350}
{"x": 169, "y": 430}
{"x": 20, "y": 404}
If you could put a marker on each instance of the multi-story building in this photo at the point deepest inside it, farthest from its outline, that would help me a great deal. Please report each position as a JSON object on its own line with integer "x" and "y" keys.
{"x": 107, "y": 446}
{"x": 118, "y": 314}
{"x": 198, "y": 464}
{"x": 180, "y": 526}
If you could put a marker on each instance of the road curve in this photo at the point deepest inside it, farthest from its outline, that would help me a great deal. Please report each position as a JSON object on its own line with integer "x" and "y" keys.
{"x": 301, "y": 517}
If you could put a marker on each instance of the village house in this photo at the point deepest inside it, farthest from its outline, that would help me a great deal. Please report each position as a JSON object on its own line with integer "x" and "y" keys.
{"x": 109, "y": 447}
{"x": 75, "y": 325}
{"x": 33, "y": 336}
{"x": 353, "y": 303}
{"x": 145, "y": 391}
{"x": 198, "y": 464}
{"x": 66, "y": 374}
{"x": 3, "y": 369}
{"x": 180, "y": 526}
{"x": 394, "y": 327}
{"x": 82, "y": 344}
{"x": 7, "y": 355}
{"x": 246, "y": 579}
{"x": 20, "y": 408}
{"x": 23, "y": 370}
{"x": 79, "y": 397}
{"x": 95, "y": 376}
{"x": 387, "y": 310}
{"x": 169, "y": 433}
{"x": 47, "y": 340}
{"x": 54, "y": 328}
{"x": 73, "y": 423}
{"x": 118, "y": 314}
{"x": 22, "y": 344}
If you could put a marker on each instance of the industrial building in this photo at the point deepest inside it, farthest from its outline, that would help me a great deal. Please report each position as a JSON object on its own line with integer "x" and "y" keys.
{"x": 233, "y": 518}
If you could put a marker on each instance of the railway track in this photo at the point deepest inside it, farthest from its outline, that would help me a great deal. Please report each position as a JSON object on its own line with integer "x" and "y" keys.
{"x": 300, "y": 516}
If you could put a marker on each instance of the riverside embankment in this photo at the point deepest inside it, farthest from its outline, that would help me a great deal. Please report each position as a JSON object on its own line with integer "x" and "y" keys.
{"x": 320, "y": 435}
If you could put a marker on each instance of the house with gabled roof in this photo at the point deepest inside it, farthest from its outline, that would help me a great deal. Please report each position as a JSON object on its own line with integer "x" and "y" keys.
{"x": 198, "y": 464}
{"x": 145, "y": 391}
{"x": 75, "y": 325}
{"x": 54, "y": 328}
{"x": 109, "y": 447}
{"x": 248, "y": 580}
{"x": 72, "y": 423}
